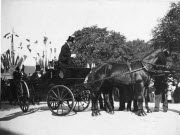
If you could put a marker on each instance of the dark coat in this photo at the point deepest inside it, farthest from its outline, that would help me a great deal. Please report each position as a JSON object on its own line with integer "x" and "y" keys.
{"x": 65, "y": 53}
{"x": 160, "y": 84}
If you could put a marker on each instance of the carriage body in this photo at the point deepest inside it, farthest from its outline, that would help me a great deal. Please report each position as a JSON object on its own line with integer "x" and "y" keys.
{"x": 62, "y": 87}
{"x": 68, "y": 92}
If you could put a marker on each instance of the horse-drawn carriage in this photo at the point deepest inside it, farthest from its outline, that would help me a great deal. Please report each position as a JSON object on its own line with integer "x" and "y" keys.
{"x": 62, "y": 86}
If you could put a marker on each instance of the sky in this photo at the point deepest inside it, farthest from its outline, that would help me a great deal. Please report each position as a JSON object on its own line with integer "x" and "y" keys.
{"x": 58, "y": 19}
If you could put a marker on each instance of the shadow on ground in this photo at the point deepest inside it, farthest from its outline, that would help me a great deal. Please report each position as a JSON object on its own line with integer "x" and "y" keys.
{"x": 18, "y": 114}
{"x": 32, "y": 109}
{"x": 6, "y": 132}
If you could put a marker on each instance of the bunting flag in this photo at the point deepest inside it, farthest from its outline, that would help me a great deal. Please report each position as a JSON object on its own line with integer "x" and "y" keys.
{"x": 17, "y": 35}
{"x": 2, "y": 62}
{"x": 2, "y": 67}
{"x": 29, "y": 48}
{"x": 20, "y": 46}
{"x": 45, "y": 40}
{"x": 9, "y": 58}
{"x": 8, "y": 52}
{"x": 6, "y": 35}
{"x": 20, "y": 60}
{"x": 17, "y": 58}
{"x": 6, "y": 60}
{"x": 28, "y": 40}
{"x": 36, "y": 42}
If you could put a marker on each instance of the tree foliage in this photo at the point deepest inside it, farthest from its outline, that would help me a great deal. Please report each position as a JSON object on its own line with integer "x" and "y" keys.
{"x": 138, "y": 49}
{"x": 97, "y": 45}
{"x": 167, "y": 32}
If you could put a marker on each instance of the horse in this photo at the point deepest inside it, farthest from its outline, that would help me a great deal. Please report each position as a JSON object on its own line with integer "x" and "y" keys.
{"x": 121, "y": 75}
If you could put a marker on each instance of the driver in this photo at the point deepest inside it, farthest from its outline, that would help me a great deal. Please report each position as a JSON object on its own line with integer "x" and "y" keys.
{"x": 65, "y": 54}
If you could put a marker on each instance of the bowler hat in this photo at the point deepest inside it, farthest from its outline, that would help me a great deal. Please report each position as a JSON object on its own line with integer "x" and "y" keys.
{"x": 70, "y": 38}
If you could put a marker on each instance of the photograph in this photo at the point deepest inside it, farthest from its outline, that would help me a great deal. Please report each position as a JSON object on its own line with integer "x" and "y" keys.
{"x": 90, "y": 67}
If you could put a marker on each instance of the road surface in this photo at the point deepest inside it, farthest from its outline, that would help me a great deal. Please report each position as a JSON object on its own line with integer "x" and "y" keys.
{"x": 40, "y": 121}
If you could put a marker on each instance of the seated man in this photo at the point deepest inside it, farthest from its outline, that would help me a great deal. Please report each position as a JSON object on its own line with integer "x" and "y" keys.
{"x": 65, "y": 54}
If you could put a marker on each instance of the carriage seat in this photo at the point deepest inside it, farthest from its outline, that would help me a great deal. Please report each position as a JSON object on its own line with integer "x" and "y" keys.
{"x": 58, "y": 64}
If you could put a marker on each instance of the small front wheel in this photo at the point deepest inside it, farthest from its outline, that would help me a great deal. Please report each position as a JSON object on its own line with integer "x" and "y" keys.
{"x": 60, "y": 100}
{"x": 82, "y": 99}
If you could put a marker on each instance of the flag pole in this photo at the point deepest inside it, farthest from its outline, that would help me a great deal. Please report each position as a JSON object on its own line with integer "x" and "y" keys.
{"x": 12, "y": 46}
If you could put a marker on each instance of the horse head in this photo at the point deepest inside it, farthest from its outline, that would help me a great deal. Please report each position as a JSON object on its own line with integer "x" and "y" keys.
{"x": 156, "y": 57}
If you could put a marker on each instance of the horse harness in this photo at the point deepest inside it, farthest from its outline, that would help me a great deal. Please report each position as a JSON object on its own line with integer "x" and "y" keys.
{"x": 158, "y": 72}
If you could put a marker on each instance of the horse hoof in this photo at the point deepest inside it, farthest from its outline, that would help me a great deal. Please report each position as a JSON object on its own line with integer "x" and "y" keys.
{"x": 135, "y": 110}
{"x": 141, "y": 113}
{"x": 93, "y": 114}
{"x": 149, "y": 111}
{"x": 111, "y": 112}
{"x": 128, "y": 109}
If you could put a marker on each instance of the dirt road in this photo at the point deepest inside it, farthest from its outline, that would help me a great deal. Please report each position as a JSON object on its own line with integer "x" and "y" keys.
{"x": 40, "y": 121}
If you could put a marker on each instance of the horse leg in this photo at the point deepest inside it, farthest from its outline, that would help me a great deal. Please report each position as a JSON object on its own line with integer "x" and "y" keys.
{"x": 141, "y": 111}
{"x": 111, "y": 98}
{"x": 122, "y": 99}
{"x": 109, "y": 105}
{"x": 129, "y": 105}
{"x": 147, "y": 100}
{"x": 108, "y": 99}
{"x": 130, "y": 96}
{"x": 94, "y": 107}
{"x": 96, "y": 97}
{"x": 135, "y": 105}
{"x": 102, "y": 106}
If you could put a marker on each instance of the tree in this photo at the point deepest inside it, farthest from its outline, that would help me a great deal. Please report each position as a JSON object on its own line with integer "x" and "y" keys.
{"x": 167, "y": 32}
{"x": 137, "y": 49}
{"x": 96, "y": 45}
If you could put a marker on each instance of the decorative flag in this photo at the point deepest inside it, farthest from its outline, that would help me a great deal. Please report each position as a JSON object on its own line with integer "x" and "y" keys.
{"x": 28, "y": 48}
{"x": 20, "y": 46}
{"x": 45, "y": 40}
{"x": 28, "y": 40}
{"x": 6, "y": 35}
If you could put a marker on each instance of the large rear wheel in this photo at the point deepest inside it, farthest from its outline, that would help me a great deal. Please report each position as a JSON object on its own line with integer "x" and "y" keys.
{"x": 60, "y": 100}
{"x": 23, "y": 95}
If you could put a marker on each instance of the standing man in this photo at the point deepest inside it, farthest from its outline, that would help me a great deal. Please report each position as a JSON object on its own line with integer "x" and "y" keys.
{"x": 65, "y": 54}
{"x": 160, "y": 84}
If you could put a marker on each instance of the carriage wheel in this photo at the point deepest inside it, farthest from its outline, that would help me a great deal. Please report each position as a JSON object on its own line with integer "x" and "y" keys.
{"x": 60, "y": 100}
{"x": 82, "y": 99}
{"x": 23, "y": 95}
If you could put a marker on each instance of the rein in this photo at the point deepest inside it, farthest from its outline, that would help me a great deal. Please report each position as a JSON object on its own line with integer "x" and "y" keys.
{"x": 160, "y": 72}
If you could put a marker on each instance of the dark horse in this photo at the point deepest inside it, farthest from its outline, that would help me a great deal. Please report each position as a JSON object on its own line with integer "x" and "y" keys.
{"x": 111, "y": 75}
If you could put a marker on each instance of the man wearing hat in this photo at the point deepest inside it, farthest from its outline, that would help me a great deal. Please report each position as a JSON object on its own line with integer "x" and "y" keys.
{"x": 65, "y": 54}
